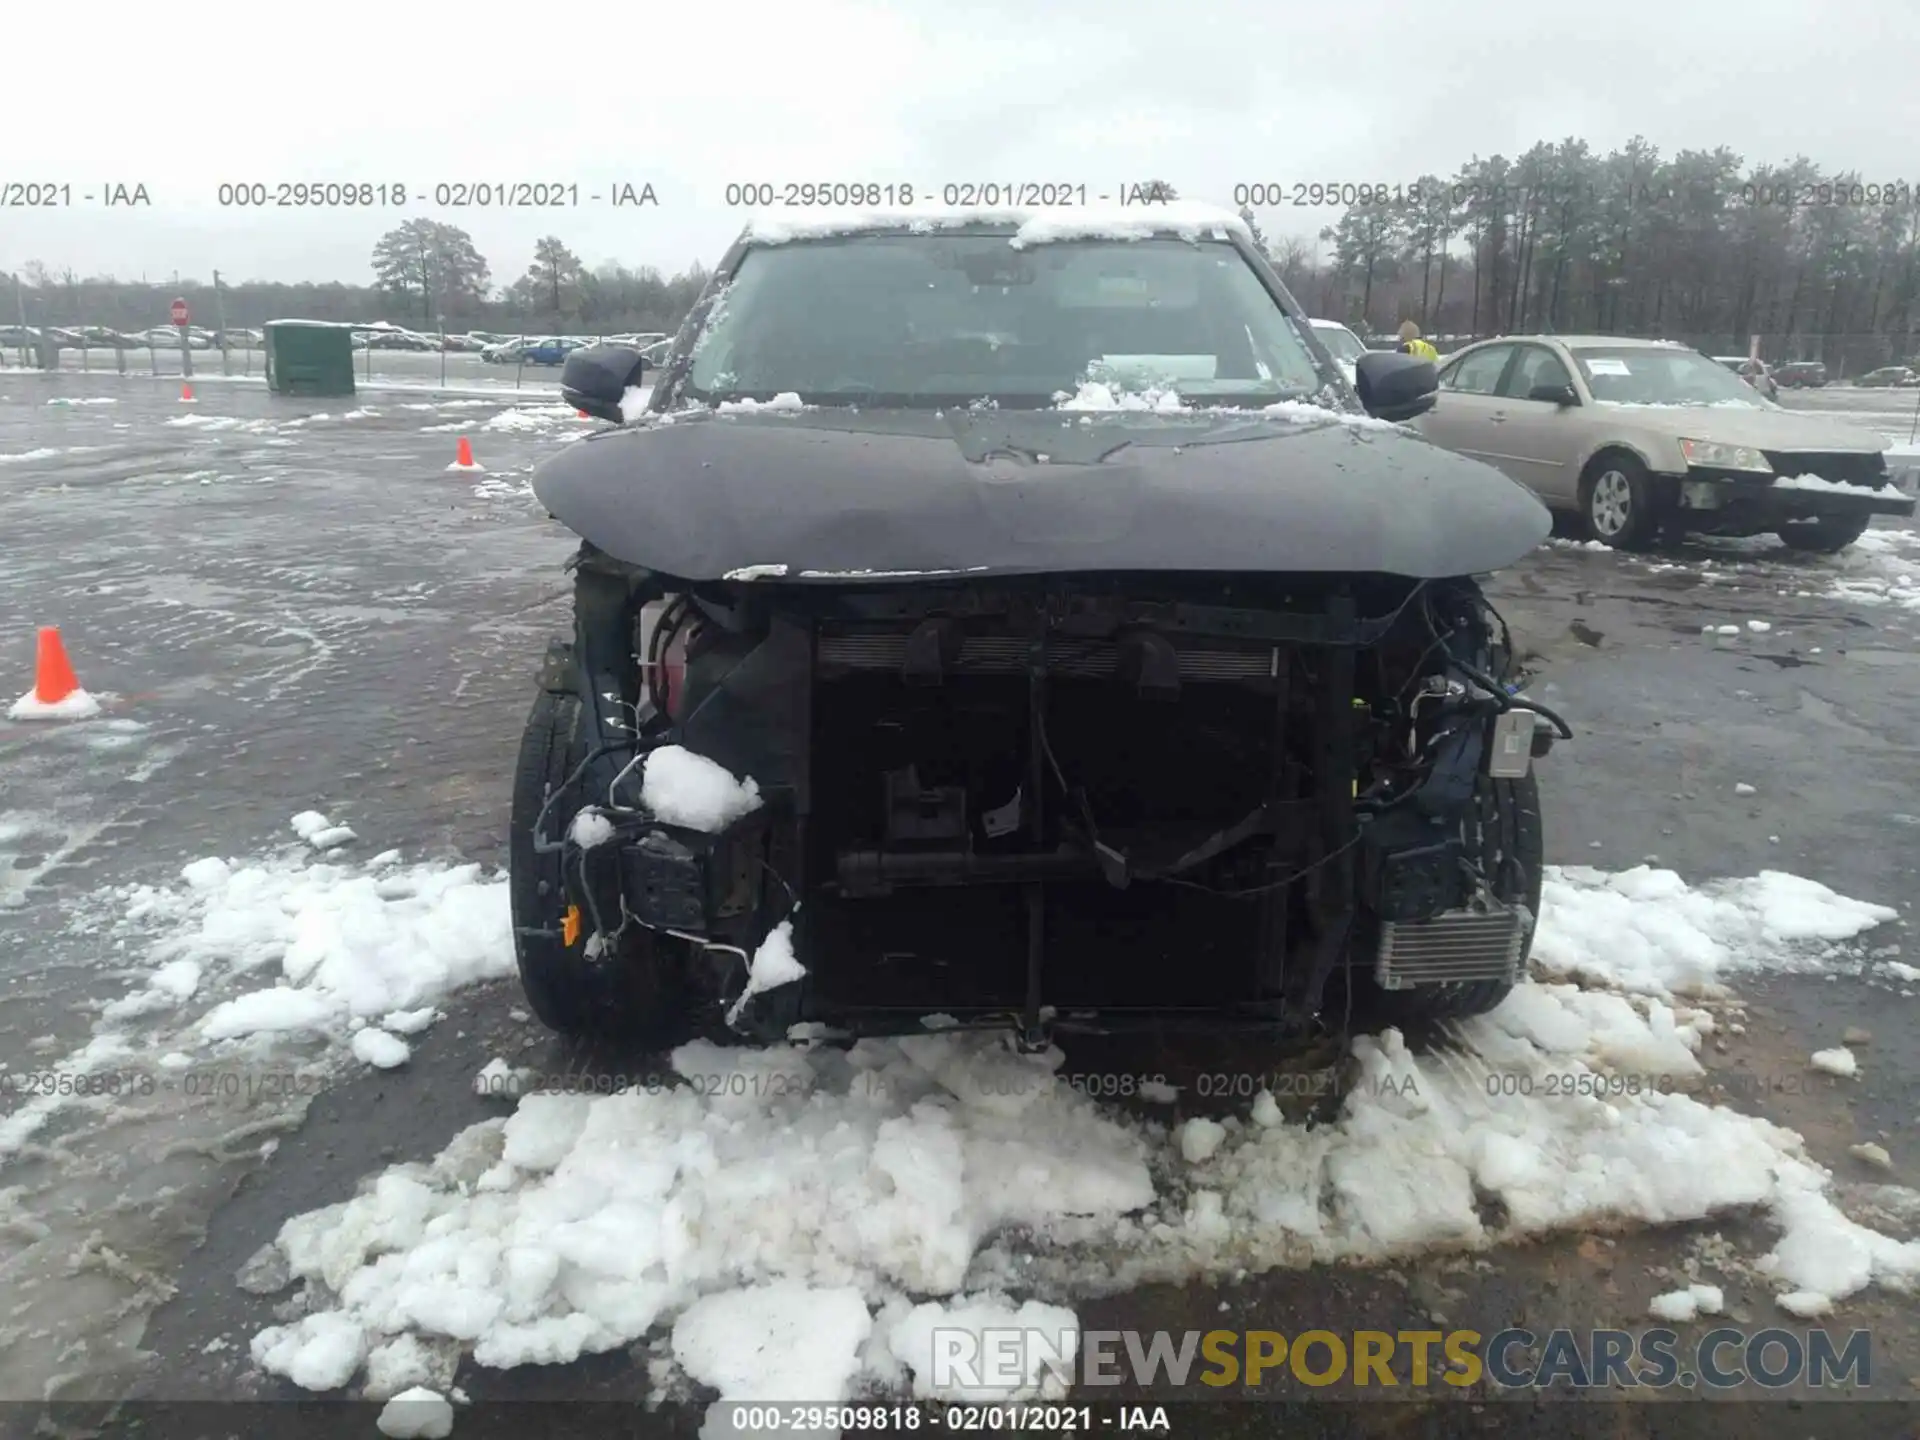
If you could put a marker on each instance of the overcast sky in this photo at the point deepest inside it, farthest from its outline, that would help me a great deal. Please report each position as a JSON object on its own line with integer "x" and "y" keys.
{"x": 690, "y": 97}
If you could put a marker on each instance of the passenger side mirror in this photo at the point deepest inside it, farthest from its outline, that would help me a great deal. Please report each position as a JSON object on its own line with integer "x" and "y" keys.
{"x": 595, "y": 379}
{"x": 1394, "y": 386}
{"x": 1554, "y": 394}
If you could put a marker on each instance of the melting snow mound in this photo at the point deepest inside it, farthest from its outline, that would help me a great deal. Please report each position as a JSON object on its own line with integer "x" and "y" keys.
{"x": 805, "y": 1219}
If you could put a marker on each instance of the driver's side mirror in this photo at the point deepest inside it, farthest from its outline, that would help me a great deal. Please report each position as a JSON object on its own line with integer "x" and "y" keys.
{"x": 1555, "y": 394}
{"x": 596, "y": 378}
{"x": 1395, "y": 386}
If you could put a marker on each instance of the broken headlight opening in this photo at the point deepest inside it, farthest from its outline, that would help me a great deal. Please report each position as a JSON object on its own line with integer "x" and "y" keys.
{"x": 1052, "y": 807}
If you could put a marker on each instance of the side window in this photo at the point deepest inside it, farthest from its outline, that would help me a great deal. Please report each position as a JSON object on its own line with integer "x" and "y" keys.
{"x": 1478, "y": 373}
{"x": 1538, "y": 366}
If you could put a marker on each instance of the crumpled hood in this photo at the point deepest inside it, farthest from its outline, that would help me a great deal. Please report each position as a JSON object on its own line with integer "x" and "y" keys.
{"x": 836, "y": 494}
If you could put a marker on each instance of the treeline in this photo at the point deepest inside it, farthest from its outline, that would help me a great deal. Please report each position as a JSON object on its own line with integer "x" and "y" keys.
{"x": 426, "y": 276}
{"x": 1697, "y": 246}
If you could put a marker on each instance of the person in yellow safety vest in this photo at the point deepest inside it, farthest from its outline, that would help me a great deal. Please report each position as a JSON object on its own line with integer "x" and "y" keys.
{"x": 1412, "y": 344}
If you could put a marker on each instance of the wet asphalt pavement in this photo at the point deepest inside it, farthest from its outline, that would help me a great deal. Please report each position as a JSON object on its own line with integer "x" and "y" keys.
{"x": 291, "y": 605}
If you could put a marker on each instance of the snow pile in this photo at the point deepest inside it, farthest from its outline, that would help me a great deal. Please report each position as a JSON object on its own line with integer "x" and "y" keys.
{"x": 789, "y": 1206}
{"x": 781, "y": 1342}
{"x": 683, "y": 788}
{"x": 1647, "y": 931}
{"x": 1829, "y": 487}
{"x": 590, "y": 827}
{"x": 41, "y": 454}
{"x": 786, "y": 400}
{"x": 634, "y": 401}
{"x": 380, "y": 1049}
{"x": 528, "y": 418}
{"x": 831, "y": 1181}
{"x": 806, "y": 1219}
{"x": 338, "y": 946}
{"x": 320, "y": 832}
{"x": 1838, "y": 1061}
{"x": 416, "y": 1414}
{"x": 1095, "y": 395}
{"x": 1879, "y": 569}
{"x": 1679, "y": 1306}
{"x": 1188, "y": 219}
{"x": 774, "y": 964}
{"x": 74, "y": 705}
{"x": 1304, "y": 413}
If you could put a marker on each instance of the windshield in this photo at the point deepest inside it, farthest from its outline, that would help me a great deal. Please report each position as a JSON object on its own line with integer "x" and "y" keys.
{"x": 1341, "y": 342}
{"x": 1644, "y": 375}
{"x": 955, "y": 318}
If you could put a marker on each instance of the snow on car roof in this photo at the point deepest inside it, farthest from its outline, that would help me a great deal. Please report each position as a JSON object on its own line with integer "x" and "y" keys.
{"x": 1191, "y": 220}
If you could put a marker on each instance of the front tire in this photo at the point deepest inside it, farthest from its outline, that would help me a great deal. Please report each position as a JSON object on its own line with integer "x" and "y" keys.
{"x": 1826, "y": 536}
{"x": 1617, "y": 502}
{"x": 637, "y": 991}
{"x": 1504, "y": 832}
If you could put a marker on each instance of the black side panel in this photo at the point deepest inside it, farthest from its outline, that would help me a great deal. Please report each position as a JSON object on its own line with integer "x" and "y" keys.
{"x": 754, "y": 717}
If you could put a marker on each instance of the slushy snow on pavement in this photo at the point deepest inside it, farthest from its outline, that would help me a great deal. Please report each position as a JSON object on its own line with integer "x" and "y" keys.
{"x": 239, "y": 953}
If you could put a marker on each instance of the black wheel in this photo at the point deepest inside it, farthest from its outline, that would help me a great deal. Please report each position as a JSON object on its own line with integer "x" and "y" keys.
{"x": 1617, "y": 502}
{"x": 1826, "y": 536}
{"x": 637, "y": 991}
{"x": 1504, "y": 835}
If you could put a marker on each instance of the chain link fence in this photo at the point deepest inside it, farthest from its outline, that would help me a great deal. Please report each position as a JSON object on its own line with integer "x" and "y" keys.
{"x": 78, "y": 347}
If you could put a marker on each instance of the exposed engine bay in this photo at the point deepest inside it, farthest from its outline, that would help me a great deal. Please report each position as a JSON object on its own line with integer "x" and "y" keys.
{"x": 1067, "y": 800}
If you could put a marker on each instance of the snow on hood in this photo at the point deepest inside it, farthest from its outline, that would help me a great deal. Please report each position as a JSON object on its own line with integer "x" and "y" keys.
{"x": 1188, "y": 219}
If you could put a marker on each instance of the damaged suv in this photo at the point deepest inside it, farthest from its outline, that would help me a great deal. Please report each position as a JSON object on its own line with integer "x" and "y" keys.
{"x": 1017, "y": 619}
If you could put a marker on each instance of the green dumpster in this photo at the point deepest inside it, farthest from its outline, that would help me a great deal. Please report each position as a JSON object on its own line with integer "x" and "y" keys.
{"x": 309, "y": 357}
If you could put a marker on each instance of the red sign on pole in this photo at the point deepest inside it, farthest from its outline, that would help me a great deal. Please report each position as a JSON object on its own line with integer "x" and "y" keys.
{"x": 178, "y": 312}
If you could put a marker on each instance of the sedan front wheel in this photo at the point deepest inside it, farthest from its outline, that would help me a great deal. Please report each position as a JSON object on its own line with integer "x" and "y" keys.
{"x": 1616, "y": 501}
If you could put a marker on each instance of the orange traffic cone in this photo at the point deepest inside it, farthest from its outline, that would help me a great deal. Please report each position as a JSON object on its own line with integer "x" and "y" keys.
{"x": 463, "y": 452}
{"x": 53, "y": 677}
{"x": 186, "y": 394}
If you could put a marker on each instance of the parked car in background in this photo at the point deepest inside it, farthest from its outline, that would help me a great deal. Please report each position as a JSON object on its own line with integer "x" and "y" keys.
{"x": 531, "y": 350}
{"x": 550, "y": 350}
{"x": 1754, "y": 372}
{"x": 167, "y": 337}
{"x": 655, "y": 355}
{"x": 1802, "y": 374}
{"x": 1345, "y": 346}
{"x": 463, "y": 344}
{"x": 104, "y": 337}
{"x": 1645, "y": 438}
{"x": 1886, "y": 377}
{"x": 398, "y": 339}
